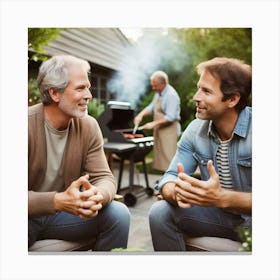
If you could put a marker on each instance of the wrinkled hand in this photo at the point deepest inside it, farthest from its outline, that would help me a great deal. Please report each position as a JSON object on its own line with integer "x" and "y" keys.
{"x": 91, "y": 204}
{"x": 191, "y": 191}
{"x": 84, "y": 204}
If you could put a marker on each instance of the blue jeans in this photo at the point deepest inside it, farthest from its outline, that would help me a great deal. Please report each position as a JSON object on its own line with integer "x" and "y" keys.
{"x": 110, "y": 227}
{"x": 168, "y": 223}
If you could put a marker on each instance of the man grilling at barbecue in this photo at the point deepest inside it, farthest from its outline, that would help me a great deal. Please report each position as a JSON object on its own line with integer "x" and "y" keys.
{"x": 165, "y": 108}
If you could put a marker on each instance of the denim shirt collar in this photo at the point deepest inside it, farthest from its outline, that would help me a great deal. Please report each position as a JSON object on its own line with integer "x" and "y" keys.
{"x": 241, "y": 126}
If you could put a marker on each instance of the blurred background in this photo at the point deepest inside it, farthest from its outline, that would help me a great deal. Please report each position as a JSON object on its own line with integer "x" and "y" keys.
{"x": 122, "y": 59}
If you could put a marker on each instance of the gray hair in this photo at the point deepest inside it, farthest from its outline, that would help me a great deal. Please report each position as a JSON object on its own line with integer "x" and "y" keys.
{"x": 54, "y": 73}
{"x": 161, "y": 76}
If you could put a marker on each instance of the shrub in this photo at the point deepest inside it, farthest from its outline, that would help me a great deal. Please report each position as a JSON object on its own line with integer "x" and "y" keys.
{"x": 95, "y": 108}
{"x": 245, "y": 235}
{"x": 33, "y": 93}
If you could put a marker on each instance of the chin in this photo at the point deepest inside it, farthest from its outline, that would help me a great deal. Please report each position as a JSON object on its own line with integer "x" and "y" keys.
{"x": 80, "y": 114}
{"x": 201, "y": 117}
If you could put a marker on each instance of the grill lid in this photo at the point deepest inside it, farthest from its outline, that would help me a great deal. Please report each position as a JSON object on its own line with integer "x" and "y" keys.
{"x": 117, "y": 120}
{"x": 118, "y": 105}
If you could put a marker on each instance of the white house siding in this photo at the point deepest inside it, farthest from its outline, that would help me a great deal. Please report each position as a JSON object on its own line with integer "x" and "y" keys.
{"x": 102, "y": 46}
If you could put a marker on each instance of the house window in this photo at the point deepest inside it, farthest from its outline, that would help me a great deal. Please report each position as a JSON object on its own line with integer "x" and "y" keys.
{"x": 99, "y": 89}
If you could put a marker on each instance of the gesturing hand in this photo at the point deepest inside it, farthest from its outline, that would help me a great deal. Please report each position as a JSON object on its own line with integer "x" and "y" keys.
{"x": 181, "y": 201}
{"x": 191, "y": 191}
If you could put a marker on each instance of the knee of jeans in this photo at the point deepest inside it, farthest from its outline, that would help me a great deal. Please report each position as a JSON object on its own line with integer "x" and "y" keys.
{"x": 120, "y": 211}
{"x": 158, "y": 212}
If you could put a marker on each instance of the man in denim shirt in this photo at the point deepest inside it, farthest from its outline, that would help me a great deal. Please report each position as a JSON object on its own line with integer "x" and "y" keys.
{"x": 219, "y": 142}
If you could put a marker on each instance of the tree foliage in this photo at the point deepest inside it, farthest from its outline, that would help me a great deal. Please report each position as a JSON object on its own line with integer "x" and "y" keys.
{"x": 38, "y": 38}
{"x": 33, "y": 92}
{"x": 95, "y": 108}
{"x": 206, "y": 43}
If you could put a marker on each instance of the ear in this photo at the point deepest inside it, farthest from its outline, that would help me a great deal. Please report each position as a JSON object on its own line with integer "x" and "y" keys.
{"x": 55, "y": 95}
{"x": 233, "y": 100}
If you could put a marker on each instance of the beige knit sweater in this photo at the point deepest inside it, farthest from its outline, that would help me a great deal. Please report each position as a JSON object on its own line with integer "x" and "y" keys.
{"x": 84, "y": 155}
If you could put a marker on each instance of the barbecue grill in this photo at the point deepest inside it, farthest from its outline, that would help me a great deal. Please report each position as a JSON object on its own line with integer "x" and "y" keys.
{"x": 116, "y": 124}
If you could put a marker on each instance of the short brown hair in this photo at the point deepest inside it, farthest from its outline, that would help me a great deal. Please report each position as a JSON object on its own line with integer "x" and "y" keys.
{"x": 235, "y": 77}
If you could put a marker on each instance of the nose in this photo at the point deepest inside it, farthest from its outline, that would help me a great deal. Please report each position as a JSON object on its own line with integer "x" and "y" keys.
{"x": 196, "y": 97}
{"x": 87, "y": 95}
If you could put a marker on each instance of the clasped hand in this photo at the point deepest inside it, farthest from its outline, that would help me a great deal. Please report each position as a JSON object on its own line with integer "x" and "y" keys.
{"x": 84, "y": 204}
{"x": 190, "y": 191}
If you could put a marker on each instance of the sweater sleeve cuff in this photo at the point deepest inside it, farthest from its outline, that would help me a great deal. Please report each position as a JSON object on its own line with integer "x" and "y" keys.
{"x": 40, "y": 203}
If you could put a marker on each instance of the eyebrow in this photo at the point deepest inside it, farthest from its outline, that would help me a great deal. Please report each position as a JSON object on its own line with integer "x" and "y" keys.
{"x": 205, "y": 88}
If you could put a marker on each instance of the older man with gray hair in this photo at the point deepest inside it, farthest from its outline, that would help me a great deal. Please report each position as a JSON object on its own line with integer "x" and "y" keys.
{"x": 70, "y": 185}
{"x": 165, "y": 108}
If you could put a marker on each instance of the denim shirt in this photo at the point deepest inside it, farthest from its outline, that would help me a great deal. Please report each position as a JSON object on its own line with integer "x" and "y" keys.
{"x": 199, "y": 144}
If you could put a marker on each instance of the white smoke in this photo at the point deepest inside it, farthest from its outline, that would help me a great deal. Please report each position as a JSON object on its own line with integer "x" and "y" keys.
{"x": 155, "y": 50}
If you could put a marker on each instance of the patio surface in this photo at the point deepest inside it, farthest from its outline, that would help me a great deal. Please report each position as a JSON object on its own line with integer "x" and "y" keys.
{"x": 139, "y": 233}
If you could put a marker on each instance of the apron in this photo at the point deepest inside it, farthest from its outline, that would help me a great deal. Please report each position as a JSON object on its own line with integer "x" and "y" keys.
{"x": 165, "y": 140}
